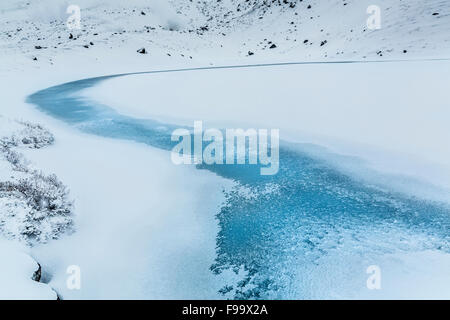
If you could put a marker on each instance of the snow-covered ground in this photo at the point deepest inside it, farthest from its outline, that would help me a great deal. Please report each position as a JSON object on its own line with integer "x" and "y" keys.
{"x": 138, "y": 234}
{"x": 19, "y": 275}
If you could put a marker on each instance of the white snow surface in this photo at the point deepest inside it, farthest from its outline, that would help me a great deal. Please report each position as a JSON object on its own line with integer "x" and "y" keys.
{"x": 16, "y": 272}
{"x": 140, "y": 235}
{"x": 147, "y": 237}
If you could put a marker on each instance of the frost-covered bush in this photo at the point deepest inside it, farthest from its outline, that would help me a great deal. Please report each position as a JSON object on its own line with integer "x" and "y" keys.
{"x": 45, "y": 193}
{"x": 35, "y": 209}
{"x": 16, "y": 159}
{"x": 21, "y": 134}
{"x": 30, "y": 135}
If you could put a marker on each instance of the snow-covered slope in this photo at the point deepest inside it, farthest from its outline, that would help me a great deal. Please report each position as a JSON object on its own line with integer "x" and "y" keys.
{"x": 332, "y": 29}
{"x": 215, "y": 32}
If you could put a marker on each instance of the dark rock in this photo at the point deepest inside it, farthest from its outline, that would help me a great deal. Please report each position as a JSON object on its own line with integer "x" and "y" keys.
{"x": 273, "y": 46}
{"x": 142, "y": 51}
{"x": 37, "y": 274}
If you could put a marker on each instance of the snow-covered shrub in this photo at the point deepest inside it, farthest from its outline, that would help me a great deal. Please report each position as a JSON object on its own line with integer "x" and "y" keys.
{"x": 16, "y": 159}
{"x": 30, "y": 135}
{"x": 35, "y": 136}
{"x": 35, "y": 209}
{"x": 45, "y": 193}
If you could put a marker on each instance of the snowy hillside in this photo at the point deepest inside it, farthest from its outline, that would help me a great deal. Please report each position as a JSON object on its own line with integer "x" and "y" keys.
{"x": 215, "y": 32}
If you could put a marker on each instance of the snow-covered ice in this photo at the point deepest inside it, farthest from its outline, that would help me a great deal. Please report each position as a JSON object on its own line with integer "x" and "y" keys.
{"x": 393, "y": 115}
{"x": 144, "y": 228}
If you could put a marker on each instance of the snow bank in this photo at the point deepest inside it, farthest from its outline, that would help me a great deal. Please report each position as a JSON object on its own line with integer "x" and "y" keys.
{"x": 221, "y": 32}
{"x": 17, "y": 270}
